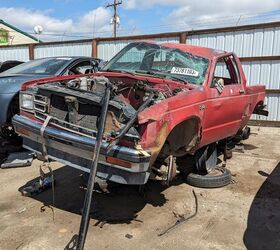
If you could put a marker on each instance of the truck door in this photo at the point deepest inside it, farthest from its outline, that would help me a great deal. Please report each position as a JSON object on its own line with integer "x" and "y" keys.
{"x": 225, "y": 103}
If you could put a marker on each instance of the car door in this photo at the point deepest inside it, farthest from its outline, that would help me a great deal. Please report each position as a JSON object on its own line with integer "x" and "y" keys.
{"x": 225, "y": 103}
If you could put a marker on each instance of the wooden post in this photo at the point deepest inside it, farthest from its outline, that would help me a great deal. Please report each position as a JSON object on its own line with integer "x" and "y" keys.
{"x": 94, "y": 48}
{"x": 31, "y": 51}
{"x": 115, "y": 4}
{"x": 183, "y": 37}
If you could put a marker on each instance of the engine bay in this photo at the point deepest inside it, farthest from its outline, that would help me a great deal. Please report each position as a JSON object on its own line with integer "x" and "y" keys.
{"x": 78, "y": 101}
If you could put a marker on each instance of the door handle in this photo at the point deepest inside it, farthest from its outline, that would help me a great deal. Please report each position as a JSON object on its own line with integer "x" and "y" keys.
{"x": 241, "y": 91}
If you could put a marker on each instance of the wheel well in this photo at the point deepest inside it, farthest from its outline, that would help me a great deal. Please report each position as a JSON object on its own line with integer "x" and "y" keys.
{"x": 183, "y": 138}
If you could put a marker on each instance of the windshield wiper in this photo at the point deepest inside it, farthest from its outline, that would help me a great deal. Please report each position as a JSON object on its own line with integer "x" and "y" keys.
{"x": 161, "y": 75}
{"x": 147, "y": 72}
{"x": 151, "y": 73}
{"x": 120, "y": 71}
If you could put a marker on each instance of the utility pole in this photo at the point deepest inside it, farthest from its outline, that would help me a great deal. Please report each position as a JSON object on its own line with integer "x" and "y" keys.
{"x": 115, "y": 17}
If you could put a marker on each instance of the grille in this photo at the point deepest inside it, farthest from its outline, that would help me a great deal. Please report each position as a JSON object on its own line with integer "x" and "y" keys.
{"x": 41, "y": 103}
{"x": 57, "y": 108}
{"x": 87, "y": 113}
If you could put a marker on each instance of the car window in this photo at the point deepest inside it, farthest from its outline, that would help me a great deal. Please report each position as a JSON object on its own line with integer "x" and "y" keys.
{"x": 45, "y": 66}
{"x": 84, "y": 67}
{"x": 159, "y": 61}
{"x": 226, "y": 71}
{"x": 8, "y": 65}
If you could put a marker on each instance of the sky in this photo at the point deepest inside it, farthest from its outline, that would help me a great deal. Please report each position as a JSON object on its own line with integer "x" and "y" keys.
{"x": 77, "y": 19}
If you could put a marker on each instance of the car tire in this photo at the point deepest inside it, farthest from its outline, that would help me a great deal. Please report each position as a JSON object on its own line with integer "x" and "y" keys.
{"x": 210, "y": 180}
{"x": 206, "y": 158}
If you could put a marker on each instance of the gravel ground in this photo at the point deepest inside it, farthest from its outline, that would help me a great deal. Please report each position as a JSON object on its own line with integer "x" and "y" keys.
{"x": 244, "y": 214}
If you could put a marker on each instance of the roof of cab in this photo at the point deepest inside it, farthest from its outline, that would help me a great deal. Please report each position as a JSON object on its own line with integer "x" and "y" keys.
{"x": 195, "y": 50}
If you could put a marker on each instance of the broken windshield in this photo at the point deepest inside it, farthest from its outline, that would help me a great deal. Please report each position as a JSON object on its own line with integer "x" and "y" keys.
{"x": 159, "y": 61}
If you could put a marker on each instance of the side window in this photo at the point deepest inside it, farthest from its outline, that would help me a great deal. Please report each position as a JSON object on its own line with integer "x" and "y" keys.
{"x": 130, "y": 60}
{"x": 84, "y": 67}
{"x": 226, "y": 71}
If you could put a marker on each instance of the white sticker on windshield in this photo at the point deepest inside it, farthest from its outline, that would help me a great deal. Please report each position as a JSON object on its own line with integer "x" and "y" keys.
{"x": 184, "y": 71}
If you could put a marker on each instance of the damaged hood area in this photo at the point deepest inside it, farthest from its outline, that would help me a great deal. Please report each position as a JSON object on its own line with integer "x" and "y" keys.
{"x": 76, "y": 104}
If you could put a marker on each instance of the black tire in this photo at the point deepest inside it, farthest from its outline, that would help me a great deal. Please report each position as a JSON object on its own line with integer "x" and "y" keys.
{"x": 210, "y": 180}
{"x": 206, "y": 158}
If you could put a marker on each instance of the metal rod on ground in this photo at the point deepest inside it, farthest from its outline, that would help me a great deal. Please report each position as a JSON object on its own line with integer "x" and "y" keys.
{"x": 87, "y": 203}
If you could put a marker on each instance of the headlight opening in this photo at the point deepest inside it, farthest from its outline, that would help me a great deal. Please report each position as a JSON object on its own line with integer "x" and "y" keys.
{"x": 26, "y": 101}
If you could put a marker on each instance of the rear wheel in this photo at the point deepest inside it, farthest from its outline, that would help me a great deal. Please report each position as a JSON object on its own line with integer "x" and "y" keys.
{"x": 203, "y": 161}
{"x": 206, "y": 158}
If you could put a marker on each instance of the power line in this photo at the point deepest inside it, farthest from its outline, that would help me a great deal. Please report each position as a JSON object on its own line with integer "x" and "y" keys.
{"x": 115, "y": 17}
{"x": 190, "y": 25}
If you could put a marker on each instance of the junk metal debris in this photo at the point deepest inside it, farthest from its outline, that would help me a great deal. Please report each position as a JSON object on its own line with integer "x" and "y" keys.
{"x": 181, "y": 218}
{"x": 129, "y": 236}
{"x": 45, "y": 182}
{"x": 37, "y": 187}
{"x": 18, "y": 159}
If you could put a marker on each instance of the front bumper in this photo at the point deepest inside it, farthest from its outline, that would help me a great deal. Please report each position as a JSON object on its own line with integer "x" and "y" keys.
{"x": 77, "y": 151}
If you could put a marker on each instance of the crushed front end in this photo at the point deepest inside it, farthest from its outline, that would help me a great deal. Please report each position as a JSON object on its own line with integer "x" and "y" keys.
{"x": 72, "y": 109}
{"x": 60, "y": 118}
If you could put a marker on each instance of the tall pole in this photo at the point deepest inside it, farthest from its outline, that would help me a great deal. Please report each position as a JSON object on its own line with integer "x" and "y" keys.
{"x": 115, "y": 17}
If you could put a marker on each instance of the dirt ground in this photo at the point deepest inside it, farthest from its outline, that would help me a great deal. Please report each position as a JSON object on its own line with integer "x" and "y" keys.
{"x": 245, "y": 214}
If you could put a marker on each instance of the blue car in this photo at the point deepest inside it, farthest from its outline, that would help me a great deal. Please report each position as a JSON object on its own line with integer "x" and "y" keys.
{"x": 12, "y": 80}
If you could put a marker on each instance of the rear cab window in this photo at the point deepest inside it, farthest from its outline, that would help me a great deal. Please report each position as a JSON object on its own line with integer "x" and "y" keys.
{"x": 226, "y": 71}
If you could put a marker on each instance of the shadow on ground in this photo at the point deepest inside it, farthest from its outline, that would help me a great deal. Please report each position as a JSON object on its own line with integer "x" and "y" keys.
{"x": 9, "y": 146}
{"x": 263, "y": 224}
{"x": 249, "y": 146}
{"x": 120, "y": 205}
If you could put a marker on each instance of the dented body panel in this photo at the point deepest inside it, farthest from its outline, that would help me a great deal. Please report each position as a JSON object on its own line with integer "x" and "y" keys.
{"x": 181, "y": 117}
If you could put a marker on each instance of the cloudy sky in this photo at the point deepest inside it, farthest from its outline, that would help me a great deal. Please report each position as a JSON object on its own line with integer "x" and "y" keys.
{"x": 70, "y": 19}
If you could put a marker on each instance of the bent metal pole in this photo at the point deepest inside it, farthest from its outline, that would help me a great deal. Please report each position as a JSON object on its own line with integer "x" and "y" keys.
{"x": 87, "y": 203}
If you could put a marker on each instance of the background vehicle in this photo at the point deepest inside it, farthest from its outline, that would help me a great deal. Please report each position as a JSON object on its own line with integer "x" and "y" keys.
{"x": 12, "y": 80}
{"x": 168, "y": 101}
{"x": 8, "y": 64}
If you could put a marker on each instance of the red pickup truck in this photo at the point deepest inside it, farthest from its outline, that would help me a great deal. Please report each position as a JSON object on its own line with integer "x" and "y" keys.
{"x": 166, "y": 101}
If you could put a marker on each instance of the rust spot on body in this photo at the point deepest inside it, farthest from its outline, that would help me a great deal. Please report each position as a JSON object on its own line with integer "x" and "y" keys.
{"x": 159, "y": 142}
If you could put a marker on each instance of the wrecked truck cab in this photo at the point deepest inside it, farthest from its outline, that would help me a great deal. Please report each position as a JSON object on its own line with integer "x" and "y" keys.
{"x": 163, "y": 103}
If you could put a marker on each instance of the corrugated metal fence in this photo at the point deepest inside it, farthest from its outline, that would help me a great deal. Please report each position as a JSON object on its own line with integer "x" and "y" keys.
{"x": 259, "y": 48}
{"x": 257, "y": 45}
{"x": 63, "y": 49}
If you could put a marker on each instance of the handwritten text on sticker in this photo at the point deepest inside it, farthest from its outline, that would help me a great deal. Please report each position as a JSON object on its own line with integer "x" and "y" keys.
{"x": 184, "y": 71}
